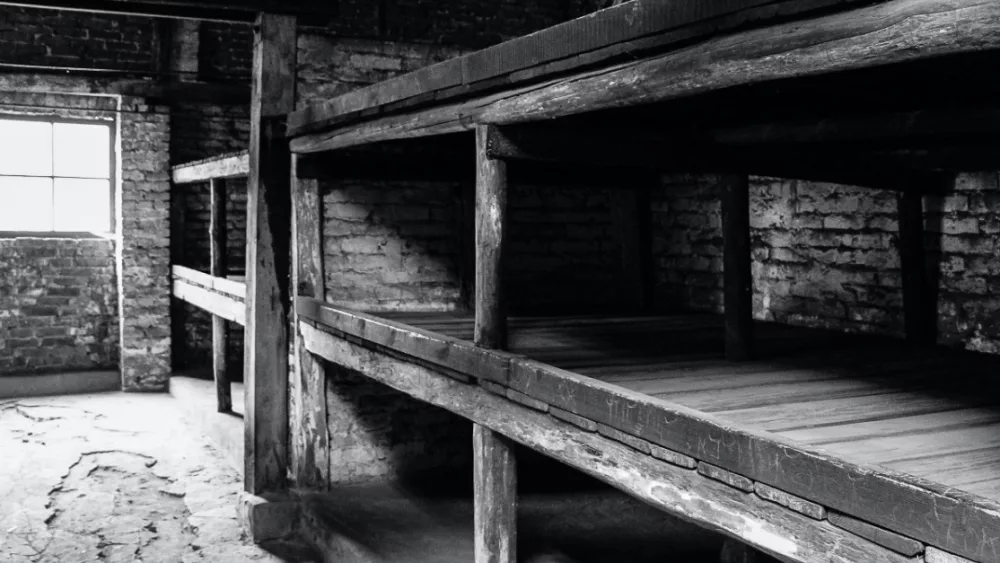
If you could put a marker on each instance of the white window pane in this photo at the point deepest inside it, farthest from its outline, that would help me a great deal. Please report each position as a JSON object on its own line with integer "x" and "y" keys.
{"x": 82, "y": 205}
{"x": 82, "y": 151}
{"x": 25, "y": 204}
{"x": 25, "y": 147}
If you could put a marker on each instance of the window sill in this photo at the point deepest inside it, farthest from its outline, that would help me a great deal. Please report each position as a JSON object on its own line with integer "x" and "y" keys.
{"x": 71, "y": 235}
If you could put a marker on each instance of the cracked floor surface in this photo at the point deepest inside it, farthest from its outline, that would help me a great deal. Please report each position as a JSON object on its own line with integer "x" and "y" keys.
{"x": 114, "y": 478}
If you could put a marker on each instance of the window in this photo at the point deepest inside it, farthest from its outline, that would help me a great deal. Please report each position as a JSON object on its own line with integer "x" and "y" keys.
{"x": 55, "y": 175}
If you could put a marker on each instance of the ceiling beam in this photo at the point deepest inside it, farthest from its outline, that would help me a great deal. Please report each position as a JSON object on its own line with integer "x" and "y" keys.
{"x": 233, "y": 11}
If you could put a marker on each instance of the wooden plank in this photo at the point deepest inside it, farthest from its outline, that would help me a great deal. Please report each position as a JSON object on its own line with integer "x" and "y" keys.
{"x": 227, "y": 11}
{"x": 491, "y": 227}
{"x": 916, "y": 445}
{"x": 457, "y": 355}
{"x": 495, "y": 494}
{"x": 192, "y": 276}
{"x": 268, "y": 251}
{"x": 677, "y": 490}
{"x": 232, "y": 287}
{"x": 547, "y": 143}
{"x": 220, "y": 305}
{"x": 908, "y": 30}
{"x": 817, "y": 476}
{"x": 945, "y": 419}
{"x": 899, "y": 544}
{"x": 219, "y": 268}
{"x": 310, "y": 441}
{"x": 616, "y": 32}
{"x": 226, "y": 166}
{"x": 737, "y": 277}
{"x": 919, "y": 306}
{"x": 954, "y": 469}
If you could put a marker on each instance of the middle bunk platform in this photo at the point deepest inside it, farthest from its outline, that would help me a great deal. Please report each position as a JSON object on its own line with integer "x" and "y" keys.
{"x": 824, "y": 432}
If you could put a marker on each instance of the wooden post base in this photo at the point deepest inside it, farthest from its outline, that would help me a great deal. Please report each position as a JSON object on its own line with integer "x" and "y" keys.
{"x": 495, "y": 497}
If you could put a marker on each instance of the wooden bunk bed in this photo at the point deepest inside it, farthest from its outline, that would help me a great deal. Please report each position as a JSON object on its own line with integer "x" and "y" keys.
{"x": 806, "y": 444}
{"x": 217, "y": 292}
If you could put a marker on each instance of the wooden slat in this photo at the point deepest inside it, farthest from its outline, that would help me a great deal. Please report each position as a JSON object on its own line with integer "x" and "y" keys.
{"x": 268, "y": 251}
{"x": 495, "y": 494}
{"x": 232, "y": 288}
{"x": 680, "y": 491}
{"x": 947, "y": 419}
{"x": 456, "y": 355}
{"x": 310, "y": 441}
{"x": 491, "y": 233}
{"x": 221, "y": 305}
{"x": 919, "y": 444}
{"x": 226, "y": 166}
{"x": 955, "y": 469}
{"x": 737, "y": 277}
{"x": 219, "y": 267}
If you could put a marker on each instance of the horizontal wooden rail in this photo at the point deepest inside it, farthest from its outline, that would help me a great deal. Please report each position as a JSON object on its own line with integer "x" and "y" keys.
{"x": 676, "y": 489}
{"x": 946, "y": 518}
{"x": 226, "y": 166}
{"x": 218, "y": 296}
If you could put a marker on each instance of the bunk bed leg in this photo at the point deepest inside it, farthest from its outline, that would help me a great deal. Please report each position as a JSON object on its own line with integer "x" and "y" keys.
{"x": 495, "y": 497}
{"x": 219, "y": 269}
{"x": 738, "y": 279}
{"x": 491, "y": 219}
{"x": 268, "y": 242}
{"x": 918, "y": 307}
{"x": 630, "y": 219}
{"x": 310, "y": 439}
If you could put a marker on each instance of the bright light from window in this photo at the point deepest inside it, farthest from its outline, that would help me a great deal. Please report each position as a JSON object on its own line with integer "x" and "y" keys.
{"x": 55, "y": 176}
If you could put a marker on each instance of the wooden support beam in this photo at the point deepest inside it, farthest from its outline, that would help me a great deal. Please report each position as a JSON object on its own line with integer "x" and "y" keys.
{"x": 545, "y": 143}
{"x": 491, "y": 219}
{"x": 738, "y": 280}
{"x": 495, "y": 497}
{"x": 268, "y": 251}
{"x": 225, "y": 166}
{"x": 630, "y": 222}
{"x": 224, "y": 306}
{"x": 219, "y": 269}
{"x": 309, "y": 431}
{"x": 226, "y": 11}
{"x": 919, "y": 306}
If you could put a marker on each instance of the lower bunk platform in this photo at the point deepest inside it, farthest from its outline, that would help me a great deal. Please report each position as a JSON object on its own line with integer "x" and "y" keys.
{"x": 826, "y": 447}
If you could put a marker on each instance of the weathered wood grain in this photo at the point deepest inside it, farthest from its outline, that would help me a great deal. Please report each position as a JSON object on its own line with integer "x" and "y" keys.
{"x": 737, "y": 277}
{"x": 885, "y": 538}
{"x": 232, "y": 288}
{"x": 220, "y": 305}
{"x": 310, "y": 443}
{"x": 491, "y": 234}
{"x": 772, "y": 528}
{"x": 219, "y": 268}
{"x": 495, "y": 494}
{"x": 889, "y": 32}
{"x": 268, "y": 251}
{"x": 226, "y": 166}
{"x": 454, "y": 354}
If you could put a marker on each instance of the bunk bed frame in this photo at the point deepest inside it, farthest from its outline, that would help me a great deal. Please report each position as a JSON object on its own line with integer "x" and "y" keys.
{"x": 650, "y": 436}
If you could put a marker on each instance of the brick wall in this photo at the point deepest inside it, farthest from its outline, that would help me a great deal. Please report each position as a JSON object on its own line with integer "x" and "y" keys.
{"x": 76, "y": 39}
{"x": 58, "y": 305}
{"x": 143, "y": 254}
{"x": 827, "y": 255}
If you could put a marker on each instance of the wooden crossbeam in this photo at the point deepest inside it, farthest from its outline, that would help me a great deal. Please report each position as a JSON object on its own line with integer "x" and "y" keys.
{"x": 224, "y": 306}
{"x": 268, "y": 250}
{"x": 226, "y": 166}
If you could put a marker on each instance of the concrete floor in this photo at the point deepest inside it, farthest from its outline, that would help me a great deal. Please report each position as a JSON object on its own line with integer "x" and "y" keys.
{"x": 114, "y": 478}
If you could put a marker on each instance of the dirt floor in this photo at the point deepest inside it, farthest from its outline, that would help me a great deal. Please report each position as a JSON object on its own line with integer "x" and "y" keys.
{"x": 114, "y": 478}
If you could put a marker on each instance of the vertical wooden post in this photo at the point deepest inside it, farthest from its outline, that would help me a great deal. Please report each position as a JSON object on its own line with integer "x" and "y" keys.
{"x": 495, "y": 465}
{"x": 630, "y": 221}
{"x": 219, "y": 269}
{"x": 491, "y": 219}
{"x": 268, "y": 252}
{"x": 738, "y": 278}
{"x": 495, "y": 497}
{"x": 918, "y": 308}
{"x": 310, "y": 439}
{"x": 178, "y": 312}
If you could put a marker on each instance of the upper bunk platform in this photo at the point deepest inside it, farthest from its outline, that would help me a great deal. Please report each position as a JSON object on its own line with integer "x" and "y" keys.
{"x": 859, "y": 430}
{"x": 683, "y": 68}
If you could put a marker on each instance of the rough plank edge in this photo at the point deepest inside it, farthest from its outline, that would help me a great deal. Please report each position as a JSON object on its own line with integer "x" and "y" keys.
{"x": 265, "y": 520}
{"x": 627, "y": 439}
{"x": 216, "y": 303}
{"x": 935, "y": 555}
{"x": 574, "y": 419}
{"x": 889, "y": 540}
{"x": 723, "y": 476}
{"x": 672, "y": 457}
{"x": 790, "y": 501}
{"x": 230, "y": 165}
{"x": 527, "y": 401}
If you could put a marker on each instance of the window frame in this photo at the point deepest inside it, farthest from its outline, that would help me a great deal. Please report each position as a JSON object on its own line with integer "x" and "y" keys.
{"x": 111, "y": 124}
